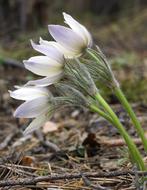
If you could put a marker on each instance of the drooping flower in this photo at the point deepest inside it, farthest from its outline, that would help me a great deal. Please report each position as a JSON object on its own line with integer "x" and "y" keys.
{"x": 71, "y": 41}
{"x": 67, "y": 53}
{"x": 49, "y": 65}
{"x": 78, "y": 76}
{"x": 100, "y": 68}
{"x": 36, "y": 105}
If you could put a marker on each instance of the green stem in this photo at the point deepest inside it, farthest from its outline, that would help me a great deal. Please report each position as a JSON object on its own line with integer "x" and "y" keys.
{"x": 100, "y": 112}
{"x": 132, "y": 115}
{"x": 93, "y": 55}
{"x": 135, "y": 154}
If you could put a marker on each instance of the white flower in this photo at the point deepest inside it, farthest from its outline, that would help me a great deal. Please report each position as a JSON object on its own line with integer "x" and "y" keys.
{"x": 36, "y": 105}
{"x": 50, "y": 64}
{"x": 70, "y": 41}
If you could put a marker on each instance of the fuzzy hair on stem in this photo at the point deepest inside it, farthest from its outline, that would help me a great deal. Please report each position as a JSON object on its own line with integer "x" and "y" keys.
{"x": 71, "y": 96}
{"x": 100, "y": 68}
{"x": 79, "y": 77}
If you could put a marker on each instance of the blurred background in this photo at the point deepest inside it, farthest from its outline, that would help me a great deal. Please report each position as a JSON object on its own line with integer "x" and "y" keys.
{"x": 119, "y": 27}
{"x": 73, "y": 140}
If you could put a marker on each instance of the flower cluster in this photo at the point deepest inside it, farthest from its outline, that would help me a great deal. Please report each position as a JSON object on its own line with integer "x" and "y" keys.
{"x": 70, "y": 43}
{"x": 73, "y": 64}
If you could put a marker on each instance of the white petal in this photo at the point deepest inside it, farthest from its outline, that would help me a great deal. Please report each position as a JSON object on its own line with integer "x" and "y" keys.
{"x": 32, "y": 108}
{"x": 29, "y": 93}
{"x": 36, "y": 123}
{"x": 67, "y": 38}
{"x": 43, "y": 66}
{"x": 67, "y": 53}
{"x": 44, "y": 60}
{"x": 50, "y": 51}
{"x": 78, "y": 28}
{"x": 45, "y": 81}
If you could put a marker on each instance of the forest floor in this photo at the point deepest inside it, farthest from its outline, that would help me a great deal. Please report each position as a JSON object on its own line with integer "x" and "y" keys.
{"x": 76, "y": 149}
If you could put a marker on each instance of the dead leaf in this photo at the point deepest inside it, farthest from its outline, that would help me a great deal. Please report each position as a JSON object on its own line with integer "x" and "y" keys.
{"x": 27, "y": 160}
{"x": 49, "y": 126}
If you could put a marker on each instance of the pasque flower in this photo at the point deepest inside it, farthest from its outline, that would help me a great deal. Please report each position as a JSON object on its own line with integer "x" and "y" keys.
{"x": 49, "y": 65}
{"x": 71, "y": 41}
{"x": 77, "y": 88}
{"x": 36, "y": 104}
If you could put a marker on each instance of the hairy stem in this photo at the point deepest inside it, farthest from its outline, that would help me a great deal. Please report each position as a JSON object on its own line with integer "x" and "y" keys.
{"x": 101, "y": 113}
{"x": 118, "y": 92}
{"x": 135, "y": 154}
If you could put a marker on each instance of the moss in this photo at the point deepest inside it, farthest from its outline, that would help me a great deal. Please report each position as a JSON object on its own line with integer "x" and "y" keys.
{"x": 136, "y": 91}
{"x": 125, "y": 59}
{"x": 21, "y": 49}
{"x": 128, "y": 68}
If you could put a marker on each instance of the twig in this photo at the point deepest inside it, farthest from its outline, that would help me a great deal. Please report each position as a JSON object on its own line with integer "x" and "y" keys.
{"x": 12, "y": 62}
{"x": 52, "y": 146}
{"x": 88, "y": 183}
{"x": 33, "y": 181}
{"x": 7, "y": 140}
{"x": 18, "y": 171}
{"x": 119, "y": 142}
